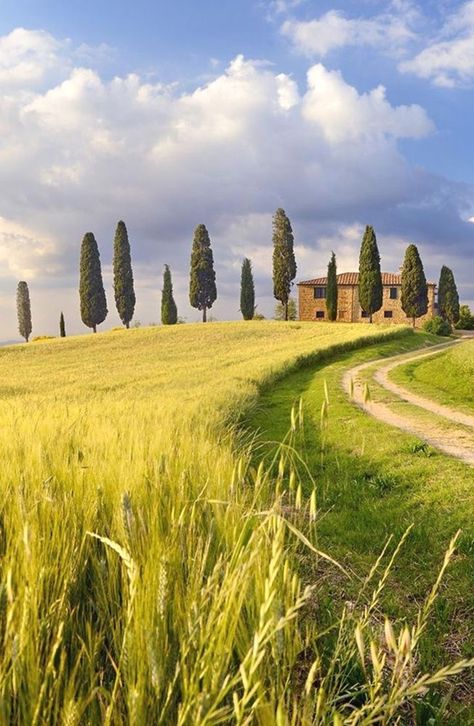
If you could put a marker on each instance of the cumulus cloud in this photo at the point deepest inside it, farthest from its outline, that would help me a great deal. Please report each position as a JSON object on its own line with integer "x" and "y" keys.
{"x": 318, "y": 37}
{"x": 343, "y": 114}
{"x": 79, "y": 152}
{"x": 448, "y": 58}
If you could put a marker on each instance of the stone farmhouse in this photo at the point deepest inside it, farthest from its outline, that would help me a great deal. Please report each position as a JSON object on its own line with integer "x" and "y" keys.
{"x": 312, "y": 300}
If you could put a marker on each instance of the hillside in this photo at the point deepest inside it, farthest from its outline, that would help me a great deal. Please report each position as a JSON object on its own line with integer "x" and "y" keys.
{"x": 149, "y": 572}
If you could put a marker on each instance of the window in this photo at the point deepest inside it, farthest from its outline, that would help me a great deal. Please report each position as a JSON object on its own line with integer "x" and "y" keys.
{"x": 320, "y": 314}
{"x": 319, "y": 292}
{"x": 393, "y": 293}
{"x": 388, "y": 313}
{"x": 364, "y": 314}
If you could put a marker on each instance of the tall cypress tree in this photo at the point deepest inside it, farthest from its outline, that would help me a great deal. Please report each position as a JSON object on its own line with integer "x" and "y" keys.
{"x": 448, "y": 297}
{"x": 169, "y": 311}
{"x": 123, "y": 275}
{"x": 202, "y": 283}
{"x": 62, "y": 326}
{"x": 284, "y": 263}
{"x": 23, "y": 307}
{"x": 414, "y": 297}
{"x": 331, "y": 289}
{"x": 370, "y": 276}
{"x": 247, "y": 291}
{"x": 91, "y": 287}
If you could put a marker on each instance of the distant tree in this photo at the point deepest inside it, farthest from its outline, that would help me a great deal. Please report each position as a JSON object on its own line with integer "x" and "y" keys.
{"x": 202, "y": 283}
{"x": 448, "y": 297}
{"x": 91, "y": 287}
{"x": 23, "y": 307}
{"x": 286, "y": 312}
{"x": 284, "y": 263}
{"x": 169, "y": 311}
{"x": 331, "y": 289}
{"x": 247, "y": 291}
{"x": 414, "y": 297}
{"x": 370, "y": 276}
{"x": 466, "y": 318}
{"x": 62, "y": 326}
{"x": 123, "y": 275}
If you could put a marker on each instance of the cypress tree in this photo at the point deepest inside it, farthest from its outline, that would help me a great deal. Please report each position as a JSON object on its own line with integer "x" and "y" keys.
{"x": 91, "y": 287}
{"x": 123, "y": 275}
{"x": 414, "y": 296}
{"x": 331, "y": 289}
{"x": 62, "y": 326}
{"x": 284, "y": 263}
{"x": 169, "y": 311}
{"x": 448, "y": 297}
{"x": 202, "y": 283}
{"x": 370, "y": 276}
{"x": 247, "y": 291}
{"x": 23, "y": 307}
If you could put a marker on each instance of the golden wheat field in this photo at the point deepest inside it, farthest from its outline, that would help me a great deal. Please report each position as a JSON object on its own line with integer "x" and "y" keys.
{"x": 148, "y": 573}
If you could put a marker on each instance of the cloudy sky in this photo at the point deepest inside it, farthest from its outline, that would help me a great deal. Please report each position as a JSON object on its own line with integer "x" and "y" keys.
{"x": 168, "y": 114}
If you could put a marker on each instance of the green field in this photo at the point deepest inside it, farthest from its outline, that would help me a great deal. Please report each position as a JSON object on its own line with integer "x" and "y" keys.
{"x": 155, "y": 571}
{"x": 447, "y": 377}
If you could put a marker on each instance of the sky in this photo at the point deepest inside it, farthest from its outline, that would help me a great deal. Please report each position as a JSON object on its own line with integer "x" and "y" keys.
{"x": 172, "y": 114}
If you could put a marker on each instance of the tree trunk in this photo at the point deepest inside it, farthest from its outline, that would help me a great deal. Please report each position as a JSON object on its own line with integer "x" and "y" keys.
{"x": 370, "y": 316}
{"x": 204, "y": 314}
{"x": 414, "y": 319}
{"x": 94, "y": 328}
{"x": 127, "y": 324}
{"x": 286, "y": 310}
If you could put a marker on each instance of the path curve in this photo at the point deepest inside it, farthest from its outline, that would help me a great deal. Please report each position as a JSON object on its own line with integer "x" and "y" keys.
{"x": 459, "y": 445}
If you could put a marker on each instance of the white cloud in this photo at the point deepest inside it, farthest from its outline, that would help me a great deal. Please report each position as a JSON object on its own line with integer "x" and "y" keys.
{"x": 343, "y": 114}
{"x": 318, "y": 37}
{"x": 79, "y": 152}
{"x": 448, "y": 59}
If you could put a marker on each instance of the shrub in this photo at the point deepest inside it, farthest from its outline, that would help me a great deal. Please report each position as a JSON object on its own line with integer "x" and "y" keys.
{"x": 437, "y": 326}
{"x": 42, "y": 337}
{"x": 466, "y": 319}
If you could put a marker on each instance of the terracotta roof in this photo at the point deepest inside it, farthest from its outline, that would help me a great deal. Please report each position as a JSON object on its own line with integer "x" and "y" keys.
{"x": 352, "y": 278}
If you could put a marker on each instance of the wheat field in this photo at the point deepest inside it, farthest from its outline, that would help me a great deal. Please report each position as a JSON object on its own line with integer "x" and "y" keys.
{"x": 148, "y": 573}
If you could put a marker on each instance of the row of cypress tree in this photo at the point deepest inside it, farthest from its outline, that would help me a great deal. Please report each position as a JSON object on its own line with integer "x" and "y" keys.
{"x": 203, "y": 290}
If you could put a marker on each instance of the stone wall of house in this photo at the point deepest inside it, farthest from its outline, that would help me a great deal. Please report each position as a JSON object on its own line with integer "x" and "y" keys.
{"x": 349, "y": 310}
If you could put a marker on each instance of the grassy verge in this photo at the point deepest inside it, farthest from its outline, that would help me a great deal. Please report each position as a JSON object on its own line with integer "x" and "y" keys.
{"x": 447, "y": 377}
{"x": 374, "y": 481}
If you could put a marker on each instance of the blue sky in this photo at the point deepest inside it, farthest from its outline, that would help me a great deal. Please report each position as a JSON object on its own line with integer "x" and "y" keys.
{"x": 171, "y": 114}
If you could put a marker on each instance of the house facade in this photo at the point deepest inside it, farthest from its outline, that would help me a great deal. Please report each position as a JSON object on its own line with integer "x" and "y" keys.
{"x": 312, "y": 300}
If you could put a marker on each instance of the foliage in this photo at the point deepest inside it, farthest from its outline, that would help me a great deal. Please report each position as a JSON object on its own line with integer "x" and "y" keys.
{"x": 259, "y": 316}
{"x": 62, "y": 326}
{"x": 331, "y": 289}
{"x": 414, "y": 297}
{"x": 448, "y": 297}
{"x": 437, "y": 326}
{"x": 286, "y": 312}
{"x": 23, "y": 308}
{"x": 123, "y": 275}
{"x": 169, "y": 311}
{"x": 466, "y": 318}
{"x": 284, "y": 263}
{"x": 247, "y": 291}
{"x": 370, "y": 276}
{"x": 202, "y": 283}
{"x": 91, "y": 287}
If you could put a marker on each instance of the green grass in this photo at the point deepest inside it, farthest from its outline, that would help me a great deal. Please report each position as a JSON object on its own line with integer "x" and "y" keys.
{"x": 150, "y": 574}
{"x": 373, "y": 481}
{"x": 447, "y": 377}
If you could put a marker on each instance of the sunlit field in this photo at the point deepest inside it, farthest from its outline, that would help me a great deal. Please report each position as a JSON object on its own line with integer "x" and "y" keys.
{"x": 149, "y": 573}
{"x": 447, "y": 378}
